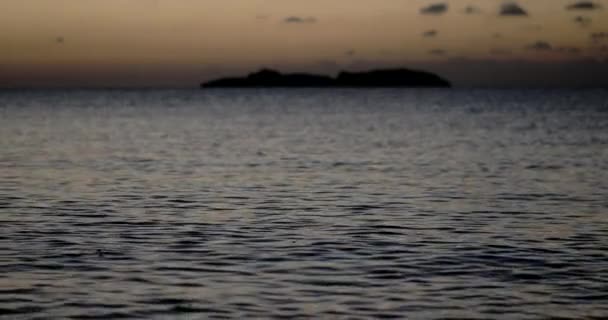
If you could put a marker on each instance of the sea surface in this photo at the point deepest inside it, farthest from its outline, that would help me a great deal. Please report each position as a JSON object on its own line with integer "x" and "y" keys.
{"x": 309, "y": 204}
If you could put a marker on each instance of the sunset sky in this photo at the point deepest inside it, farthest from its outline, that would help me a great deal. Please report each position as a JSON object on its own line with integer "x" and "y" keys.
{"x": 175, "y": 43}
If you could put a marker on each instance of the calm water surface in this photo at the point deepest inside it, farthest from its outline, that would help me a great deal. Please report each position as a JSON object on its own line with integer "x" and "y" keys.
{"x": 420, "y": 204}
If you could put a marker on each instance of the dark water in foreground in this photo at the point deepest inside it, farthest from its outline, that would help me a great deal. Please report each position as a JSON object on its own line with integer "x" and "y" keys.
{"x": 303, "y": 204}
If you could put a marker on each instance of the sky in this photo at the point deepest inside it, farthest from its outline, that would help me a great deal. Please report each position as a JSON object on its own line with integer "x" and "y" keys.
{"x": 180, "y": 43}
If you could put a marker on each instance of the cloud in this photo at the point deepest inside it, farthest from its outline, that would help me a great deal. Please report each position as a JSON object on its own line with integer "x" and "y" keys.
{"x": 568, "y": 50}
{"x": 470, "y": 9}
{"x": 582, "y": 21}
{"x": 430, "y": 33}
{"x": 584, "y": 5}
{"x": 512, "y": 9}
{"x": 540, "y": 46}
{"x": 437, "y": 52}
{"x": 435, "y": 9}
{"x": 599, "y": 36}
{"x": 296, "y": 19}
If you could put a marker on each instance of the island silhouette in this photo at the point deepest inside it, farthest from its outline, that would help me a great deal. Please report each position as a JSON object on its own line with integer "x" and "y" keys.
{"x": 382, "y": 78}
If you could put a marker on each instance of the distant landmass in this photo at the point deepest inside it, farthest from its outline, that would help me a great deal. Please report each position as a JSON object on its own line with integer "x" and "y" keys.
{"x": 384, "y": 78}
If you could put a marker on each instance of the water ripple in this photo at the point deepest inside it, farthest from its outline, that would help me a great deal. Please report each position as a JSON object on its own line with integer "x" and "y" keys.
{"x": 303, "y": 204}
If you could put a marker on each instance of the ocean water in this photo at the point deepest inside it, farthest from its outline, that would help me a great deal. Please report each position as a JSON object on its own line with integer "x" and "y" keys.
{"x": 312, "y": 204}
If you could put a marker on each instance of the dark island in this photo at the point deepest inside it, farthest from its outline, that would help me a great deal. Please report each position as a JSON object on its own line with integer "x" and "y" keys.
{"x": 387, "y": 78}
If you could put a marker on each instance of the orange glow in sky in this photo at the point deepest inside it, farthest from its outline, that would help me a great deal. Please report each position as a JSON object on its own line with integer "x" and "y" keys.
{"x": 41, "y": 38}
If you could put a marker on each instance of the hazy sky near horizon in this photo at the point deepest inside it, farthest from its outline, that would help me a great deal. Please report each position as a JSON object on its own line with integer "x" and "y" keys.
{"x": 179, "y": 42}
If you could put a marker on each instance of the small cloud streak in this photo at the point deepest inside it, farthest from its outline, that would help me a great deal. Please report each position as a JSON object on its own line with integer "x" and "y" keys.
{"x": 582, "y": 21}
{"x": 540, "y": 46}
{"x": 435, "y": 9}
{"x": 568, "y": 50}
{"x": 438, "y": 52}
{"x": 471, "y": 9}
{"x": 599, "y": 36}
{"x": 544, "y": 46}
{"x": 584, "y": 5}
{"x": 430, "y": 33}
{"x": 300, "y": 20}
{"x": 512, "y": 9}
